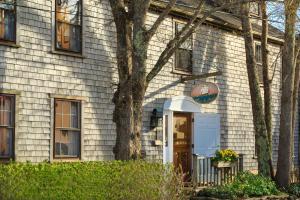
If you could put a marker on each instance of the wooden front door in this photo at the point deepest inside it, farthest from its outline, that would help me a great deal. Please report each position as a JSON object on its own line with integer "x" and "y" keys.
{"x": 182, "y": 134}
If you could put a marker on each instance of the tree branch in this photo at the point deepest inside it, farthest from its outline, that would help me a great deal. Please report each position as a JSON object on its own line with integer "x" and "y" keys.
{"x": 118, "y": 7}
{"x": 201, "y": 76}
{"x": 186, "y": 32}
{"x": 159, "y": 20}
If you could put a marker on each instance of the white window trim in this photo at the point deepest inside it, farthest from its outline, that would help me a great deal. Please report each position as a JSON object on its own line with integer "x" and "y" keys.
{"x": 83, "y": 28}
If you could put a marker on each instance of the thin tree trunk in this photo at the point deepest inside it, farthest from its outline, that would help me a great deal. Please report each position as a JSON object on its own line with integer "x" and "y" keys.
{"x": 295, "y": 100}
{"x": 267, "y": 81}
{"x": 296, "y": 90}
{"x": 284, "y": 162}
{"x": 261, "y": 139}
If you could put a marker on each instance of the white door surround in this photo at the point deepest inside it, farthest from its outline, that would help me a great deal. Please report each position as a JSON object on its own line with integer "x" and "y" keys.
{"x": 205, "y": 131}
{"x": 175, "y": 104}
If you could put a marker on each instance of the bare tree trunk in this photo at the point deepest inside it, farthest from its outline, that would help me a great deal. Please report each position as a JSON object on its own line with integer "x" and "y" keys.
{"x": 266, "y": 80}
{"x": 261, "y": 139}
{"x": 132, "y": 46}
{"x": 123, "y": 113}
{"x": 139, "y": 86}
{"x": 288, "y": 75}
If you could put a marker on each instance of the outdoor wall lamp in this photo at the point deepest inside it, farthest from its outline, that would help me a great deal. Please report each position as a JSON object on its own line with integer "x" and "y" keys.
{"x": 155, "y": 120}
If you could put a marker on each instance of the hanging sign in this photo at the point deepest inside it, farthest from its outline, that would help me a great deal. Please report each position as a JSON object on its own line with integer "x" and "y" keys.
{"x": 205, "y": 92}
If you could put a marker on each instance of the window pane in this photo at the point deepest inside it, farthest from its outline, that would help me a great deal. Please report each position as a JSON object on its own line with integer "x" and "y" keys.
{"x": 67, "y": 143}
{"x": 75, "y": 38}
{"x": 258, "y": 53}
{"x": 6, "y": 145}
{"x": 7, "y": 20}
{"x": 260, "y": 73}
{"x": 75, "y": 114}
{"x": 66, "y": 110}
{"x": 62, "y": 34}
{"x": 184, "y": 60}
{"x": 68, "y": 25}
{"x": 69, "y": 11}
{"x": 6, "y": 111}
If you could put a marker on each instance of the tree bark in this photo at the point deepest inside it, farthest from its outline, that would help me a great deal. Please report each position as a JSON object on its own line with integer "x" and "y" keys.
{"x": 284, "y": 162}
{"x": 123, "y": 112}
{"x": 132, "y": 46}
{"x": 267, "y": 81}
{"x": 139, "y": 86}
{"x": 261, "y": 137}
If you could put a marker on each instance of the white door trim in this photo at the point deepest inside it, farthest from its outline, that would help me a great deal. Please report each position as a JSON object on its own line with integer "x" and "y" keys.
{"x": 175, "y": 104}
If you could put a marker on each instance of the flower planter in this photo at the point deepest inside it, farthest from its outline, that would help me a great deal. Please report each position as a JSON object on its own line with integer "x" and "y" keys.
{"x": 223, "y": 164}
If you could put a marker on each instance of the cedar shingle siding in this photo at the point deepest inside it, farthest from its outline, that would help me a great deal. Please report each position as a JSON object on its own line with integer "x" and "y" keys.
{"x": 37, "y": 74}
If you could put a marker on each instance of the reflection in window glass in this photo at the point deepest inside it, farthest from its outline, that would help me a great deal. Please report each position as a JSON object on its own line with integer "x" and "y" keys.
{"x": 69, "y": 25}
{"x": 7, "y": 20}
{"x": 184, "y": 54}
{"x": 67, "y": 128}
{"x": 6, "y": 126}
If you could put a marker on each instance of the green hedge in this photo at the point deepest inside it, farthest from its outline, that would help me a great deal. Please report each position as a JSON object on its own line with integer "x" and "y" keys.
{"x": 89, "y": 180}
{"x": 244, "y": 185}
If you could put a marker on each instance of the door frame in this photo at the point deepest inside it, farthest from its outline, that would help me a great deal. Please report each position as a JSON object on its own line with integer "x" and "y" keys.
{"x": 176, "y": 104}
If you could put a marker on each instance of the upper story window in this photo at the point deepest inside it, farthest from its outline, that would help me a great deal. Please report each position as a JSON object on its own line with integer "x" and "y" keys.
{"x": 67, "y": 129}
{"x": 258, "y": 58}
{"x": 8, "y": 20}
{"x": 7, "y": 126}
{"x": 255, "y": 8}
{"x": 184, "y": 54}
{"x": 68, "y": 25}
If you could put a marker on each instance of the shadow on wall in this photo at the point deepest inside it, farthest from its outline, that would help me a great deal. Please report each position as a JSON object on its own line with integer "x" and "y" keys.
{"x": 36, "y": 72}
{"x": 216, "y": 49}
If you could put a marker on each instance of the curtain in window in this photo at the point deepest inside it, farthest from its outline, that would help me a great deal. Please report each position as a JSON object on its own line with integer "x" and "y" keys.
{"x": 6, "y": 126}
{"x": 68, "y": 25}
{"x": 6, "y": 142}
{"x": 67, "y": 128}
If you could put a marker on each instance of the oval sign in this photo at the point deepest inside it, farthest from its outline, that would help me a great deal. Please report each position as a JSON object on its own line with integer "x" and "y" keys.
{"x": 205, "y": 92}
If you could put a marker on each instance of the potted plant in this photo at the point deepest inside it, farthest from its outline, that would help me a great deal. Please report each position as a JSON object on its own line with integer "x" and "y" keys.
{"x": 224, "y": 158}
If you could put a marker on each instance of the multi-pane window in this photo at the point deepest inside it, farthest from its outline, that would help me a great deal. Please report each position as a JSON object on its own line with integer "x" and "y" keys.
{"x": 184, "y": 54}
{"x": 7, "y": 20}
{"x": 69, "y": 25}
{"x": 258, "y": 58}
{"x": 67, "y": 129}
{"x": 6, "y": 126}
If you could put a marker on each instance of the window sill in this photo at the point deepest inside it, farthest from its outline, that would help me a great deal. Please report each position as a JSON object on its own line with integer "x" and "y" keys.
{"x": 67, "y": 54}
{"x": 9, "y": 44}
{"x": 178, "y": 72}
{"x": 66, "y": 159}
{"x": 6, "y": 160}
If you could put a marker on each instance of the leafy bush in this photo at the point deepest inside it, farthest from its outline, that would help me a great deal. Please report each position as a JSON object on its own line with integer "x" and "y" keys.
{"x": 226, "y": 155}
{"x": 89, "y": 180}
{"x": 244, "y": 185}
{"x": 294, "y": 189}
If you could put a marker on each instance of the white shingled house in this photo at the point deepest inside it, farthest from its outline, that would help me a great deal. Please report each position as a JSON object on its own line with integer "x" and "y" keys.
{"x": 58, "y": 69}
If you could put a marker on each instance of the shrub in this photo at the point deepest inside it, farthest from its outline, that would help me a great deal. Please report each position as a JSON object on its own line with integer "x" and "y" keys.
{"x": 294, "y": 189}
{"x": 89, "y": 180}
{"x": 244, "y": 185}
{"x": 226, "y": 155}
